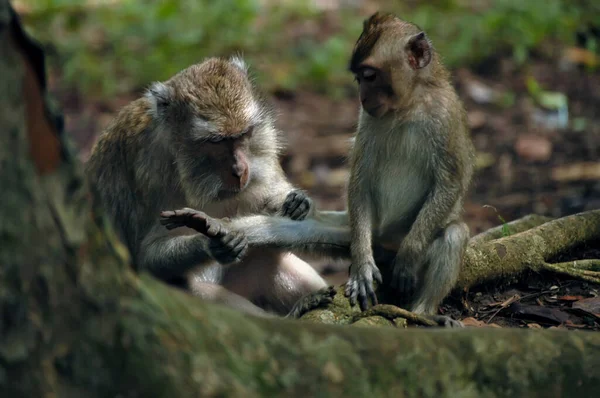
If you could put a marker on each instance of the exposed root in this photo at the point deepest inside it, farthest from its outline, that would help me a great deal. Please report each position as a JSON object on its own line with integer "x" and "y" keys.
{"x": 391, "y": 312}
{"x": 531, "y": 245}
{"x": 514, "y": 227}
{"x": 587, "y": 270}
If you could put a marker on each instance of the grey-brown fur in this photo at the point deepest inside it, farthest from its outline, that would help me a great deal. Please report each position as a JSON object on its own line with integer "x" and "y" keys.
{"x": 187, "y": 143}
{"x": 411, "y": 166}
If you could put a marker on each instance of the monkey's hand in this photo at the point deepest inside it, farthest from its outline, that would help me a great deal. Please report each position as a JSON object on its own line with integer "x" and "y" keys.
{"x": 225, "y": 247}
{"x": 297, "y": 205}
{"x": 313, "y": 300}
{"x": 360, "y": 284}
{"x": 405, "y": 268}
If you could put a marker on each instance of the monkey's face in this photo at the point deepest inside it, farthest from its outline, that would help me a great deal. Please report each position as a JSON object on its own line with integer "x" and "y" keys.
{"x": 375, "y": 91}
{"x": 385, "y": 63}
{"x": 228, "y": 157}
{"x": 212, "y": 114}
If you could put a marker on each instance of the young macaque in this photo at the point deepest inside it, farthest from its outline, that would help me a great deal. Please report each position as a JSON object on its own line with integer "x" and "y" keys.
{"x": 204, "y": 139}
{"x": 411, "y": 166}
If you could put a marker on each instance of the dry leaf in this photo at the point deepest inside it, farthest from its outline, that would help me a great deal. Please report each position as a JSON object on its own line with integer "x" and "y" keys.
{"x": 589, "y": 305}
{"x": 534, "y": 148}
{"x": 583, "y": 171}
{"x": 570, "y": 298}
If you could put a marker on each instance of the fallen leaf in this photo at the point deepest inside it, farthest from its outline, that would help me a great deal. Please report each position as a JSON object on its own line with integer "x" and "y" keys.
{"x": 570, "y": 298}
{"x": 534, "y": 312}
{"x": 479, "y": 92}
{"x": 539, "y": 302}
{"x": 570, "y": 324}
{"x": 472, "y": 322}
{"x": 534, "y": 147}
{"x": 476, "y": 119}
{"x": 582, "y": 56}
{"x": 589, "y": 305}
{"x": 534, "y": 326}
{"x": 577, "y": 172}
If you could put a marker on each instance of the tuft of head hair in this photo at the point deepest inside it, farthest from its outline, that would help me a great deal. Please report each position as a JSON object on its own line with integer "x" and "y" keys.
{"x": 239, "y": 62}
{"x": 217, "y": 91}
{"x": 373, "y": 30}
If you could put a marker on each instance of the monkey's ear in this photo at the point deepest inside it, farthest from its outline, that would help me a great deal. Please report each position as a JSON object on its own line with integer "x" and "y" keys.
{"x": 419, "y": 51}
{"x": 239, "y": 62}
{"x": 159, "y": 95}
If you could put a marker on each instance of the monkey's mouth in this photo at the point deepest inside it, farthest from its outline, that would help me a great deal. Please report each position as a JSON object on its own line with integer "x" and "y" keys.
{"x": 376, "y": 111}
{"x": 229, "y": 192}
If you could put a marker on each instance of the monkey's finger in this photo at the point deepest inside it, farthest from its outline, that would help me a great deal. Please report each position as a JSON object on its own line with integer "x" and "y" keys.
{"x": 362, "y": 297}
{"x": 227, "y": 239}
{"x": 215, "y": 230}
{"x": 372, "y": 296}
{"x": 292, "y": 207}
{"x": 236, "y": 238}
{"x": 165, "y": 221}
{"x": 167, "y": 213}
{"x": 348, "y": 288}
{"x": 173, "y": 225}
{"x": 377, "y": 276}
{"x": 299, "y": 213}
{"x": 351, "y": 292}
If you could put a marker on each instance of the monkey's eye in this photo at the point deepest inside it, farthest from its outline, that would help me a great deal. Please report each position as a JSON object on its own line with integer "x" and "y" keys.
{"x": 248, "y": 132}
{"x": 215, "y": 139}
{"x": 368, "y": 74}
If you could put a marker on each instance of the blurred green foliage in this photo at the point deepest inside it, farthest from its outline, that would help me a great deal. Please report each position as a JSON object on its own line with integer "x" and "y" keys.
{"x": 116, "y": 46}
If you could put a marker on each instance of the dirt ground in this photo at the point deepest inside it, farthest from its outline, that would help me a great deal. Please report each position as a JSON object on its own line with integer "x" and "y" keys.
{"x": 525, "y": 165}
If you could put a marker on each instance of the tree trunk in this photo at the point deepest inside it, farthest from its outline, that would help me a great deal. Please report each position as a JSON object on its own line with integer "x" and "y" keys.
{"x": 77, "y": 322}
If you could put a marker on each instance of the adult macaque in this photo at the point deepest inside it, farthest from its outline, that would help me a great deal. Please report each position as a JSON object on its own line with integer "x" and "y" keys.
{"x": 411, "y": 166}
{"x": 204, "y": 139}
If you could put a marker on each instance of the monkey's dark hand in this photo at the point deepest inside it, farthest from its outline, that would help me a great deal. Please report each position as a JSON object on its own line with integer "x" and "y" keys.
{"x": 404, "y": 277}
{"x": 297, "y": 205}
{"x": 225, "y": 247}
{"x": 313, "y": 300}
{"x": 360, "y": 284}
{"x": 405, "y": 268}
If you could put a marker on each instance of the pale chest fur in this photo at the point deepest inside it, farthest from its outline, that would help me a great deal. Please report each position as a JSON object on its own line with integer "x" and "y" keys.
{"x": 395, "y": 172}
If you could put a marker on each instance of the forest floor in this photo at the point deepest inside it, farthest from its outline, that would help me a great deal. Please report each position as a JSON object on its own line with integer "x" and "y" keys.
{"x": 525, "y": 165}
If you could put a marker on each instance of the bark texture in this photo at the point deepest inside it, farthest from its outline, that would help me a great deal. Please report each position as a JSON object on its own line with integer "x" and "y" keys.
{"x": 76, "y": 322}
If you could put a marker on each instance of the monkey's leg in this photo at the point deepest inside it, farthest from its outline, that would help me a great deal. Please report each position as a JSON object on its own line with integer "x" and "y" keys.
{"x": 311, "y": 301}
{"x": 444, "y": 258}
{"x": 218, "y": 294}
{"x": 273, "y": 280}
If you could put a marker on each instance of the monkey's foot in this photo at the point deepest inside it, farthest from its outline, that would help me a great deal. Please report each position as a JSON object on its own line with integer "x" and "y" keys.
{"x": 297, "y": 205}
{"x": 311, "y": 301}
{"x": 225, "y": 247}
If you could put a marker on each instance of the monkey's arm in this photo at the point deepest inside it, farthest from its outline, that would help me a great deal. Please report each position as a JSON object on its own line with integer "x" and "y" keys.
{"x": 333, "y": 218}
{"x": 362, "y": 269}
{"x": 171, "y": 253}
{"x": 309, "y": 236}
{"x": 438, "y": 206}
